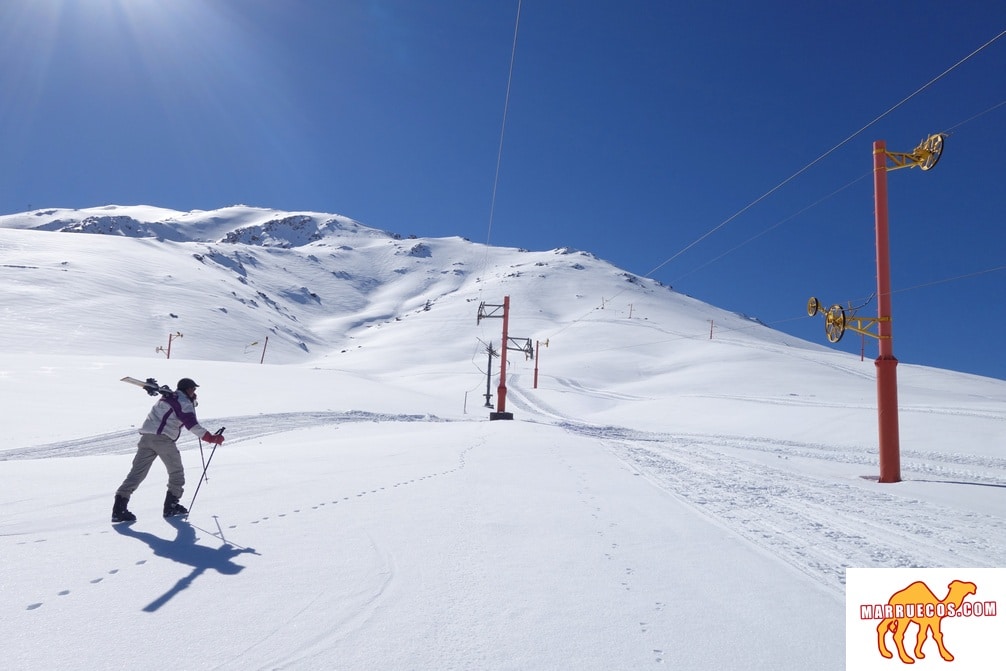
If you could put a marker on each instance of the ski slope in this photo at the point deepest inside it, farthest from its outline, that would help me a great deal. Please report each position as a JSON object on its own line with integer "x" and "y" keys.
{"x": 663, "y": 499}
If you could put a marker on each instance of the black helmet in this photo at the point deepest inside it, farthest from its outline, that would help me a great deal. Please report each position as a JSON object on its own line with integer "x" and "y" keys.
{"x": 186, "y": 383}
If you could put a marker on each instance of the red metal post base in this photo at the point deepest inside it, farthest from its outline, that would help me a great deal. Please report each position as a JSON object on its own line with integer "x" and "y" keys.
{"x": 887, "y": 419}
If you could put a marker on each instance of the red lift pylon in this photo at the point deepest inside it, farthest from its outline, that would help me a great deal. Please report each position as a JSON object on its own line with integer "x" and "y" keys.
{"x": 167, "y": 352}
{"x": 925, "y": 156}
{"x": 508, "y": 344}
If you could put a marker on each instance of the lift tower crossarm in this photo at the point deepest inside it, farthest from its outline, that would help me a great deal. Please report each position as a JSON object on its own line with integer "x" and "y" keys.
{"x": 925, "y": 156}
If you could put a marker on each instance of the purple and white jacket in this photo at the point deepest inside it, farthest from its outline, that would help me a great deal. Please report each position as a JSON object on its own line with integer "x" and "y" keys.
{"x": 170, "y": 414}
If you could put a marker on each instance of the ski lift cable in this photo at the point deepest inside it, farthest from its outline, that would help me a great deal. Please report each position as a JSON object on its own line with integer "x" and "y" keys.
{"x": 499, "y": 151}
{"x": 949, "y": 131}
{"x": 773, "y": 227}
{"x": 925, "y": 285}
{"x": 970, "y": 119}
{"x": 947, "y": 280}
{"x": 826, "y": 154}
{"x": 499, "y": 161}
{"x": 815, "y": 162}
{"x": 702, "y": 335}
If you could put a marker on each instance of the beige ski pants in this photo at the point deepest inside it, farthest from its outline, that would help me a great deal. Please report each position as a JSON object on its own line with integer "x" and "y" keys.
{"x": 149, "y": 448}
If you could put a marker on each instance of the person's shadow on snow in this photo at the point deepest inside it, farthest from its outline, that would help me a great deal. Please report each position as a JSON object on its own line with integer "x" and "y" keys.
{"x": 184, "y": 550}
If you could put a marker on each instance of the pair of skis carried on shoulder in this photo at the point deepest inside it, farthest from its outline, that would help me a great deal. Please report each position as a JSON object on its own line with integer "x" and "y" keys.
{"x": 150, "y": 386}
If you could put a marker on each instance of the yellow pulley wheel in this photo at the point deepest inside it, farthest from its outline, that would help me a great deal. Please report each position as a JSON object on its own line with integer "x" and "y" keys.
{"x": 834, "y": 323}
{"x": 813, "y": 305}
{"x": 931, "y": 150}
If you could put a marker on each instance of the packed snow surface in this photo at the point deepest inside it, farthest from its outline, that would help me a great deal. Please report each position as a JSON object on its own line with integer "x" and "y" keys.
{"x": 683, "y": 488}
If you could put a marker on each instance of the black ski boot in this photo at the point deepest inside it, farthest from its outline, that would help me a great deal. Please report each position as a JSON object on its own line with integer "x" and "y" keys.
{"x": 119, "y": 512}
{"x": 172, "y": 507}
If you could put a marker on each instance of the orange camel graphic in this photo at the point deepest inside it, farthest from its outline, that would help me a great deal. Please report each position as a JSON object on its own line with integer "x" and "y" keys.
{"x": 917, "y": 603}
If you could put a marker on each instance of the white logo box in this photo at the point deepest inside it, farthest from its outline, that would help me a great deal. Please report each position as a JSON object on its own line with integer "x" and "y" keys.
{"x": 972, "y": 627}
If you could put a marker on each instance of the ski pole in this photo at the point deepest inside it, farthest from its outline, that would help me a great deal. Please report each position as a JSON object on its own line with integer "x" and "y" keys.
{"x": 206, "y": 464}
{"x": 205, "y": 468}
{"x": 202, "y": 458}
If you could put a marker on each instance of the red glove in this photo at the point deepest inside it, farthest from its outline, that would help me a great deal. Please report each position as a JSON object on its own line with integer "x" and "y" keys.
{"x": 215, "y": 438}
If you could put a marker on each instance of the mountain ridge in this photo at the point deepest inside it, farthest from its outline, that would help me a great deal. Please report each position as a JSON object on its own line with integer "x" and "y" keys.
{"x": 314, "y": 281}
{"x": 313, "y": 286}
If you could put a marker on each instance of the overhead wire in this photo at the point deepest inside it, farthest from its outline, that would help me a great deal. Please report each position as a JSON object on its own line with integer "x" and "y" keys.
{"x": 947, "y": 280}
{"x": 827, "y": 153}
{"x": 775, "y": 226}
{"x": 499, "y": 151}
{"x": 499, "y": 161}
{"x": 728, "y": 220}
{"x": 777, "y": 322}
{"x": 807, "y": 167}
{"x": 735, "y": 329}
{"x": 796, "y": 214}
{"x": 972, "y": 118}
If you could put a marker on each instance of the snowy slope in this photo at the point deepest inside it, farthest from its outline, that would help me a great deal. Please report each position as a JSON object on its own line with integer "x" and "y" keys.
{"x": 663, "y": 496}
{"x": 312, "y": 282}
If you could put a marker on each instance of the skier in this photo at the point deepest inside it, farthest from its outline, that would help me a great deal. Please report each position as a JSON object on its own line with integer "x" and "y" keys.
{"x": 158, "y": 434}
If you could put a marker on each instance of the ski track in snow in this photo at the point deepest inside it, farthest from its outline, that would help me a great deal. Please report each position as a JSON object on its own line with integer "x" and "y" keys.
{"x": 819, "y": 526}
{"x": 814, "y": 402}
{"x": 251, "y": 426}
{"x": 816, "y": 525}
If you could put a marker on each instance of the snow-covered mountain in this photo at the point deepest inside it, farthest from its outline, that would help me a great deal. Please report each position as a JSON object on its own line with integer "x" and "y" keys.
{"x": 683, "y": 486}
{"x": 313, "y": 283}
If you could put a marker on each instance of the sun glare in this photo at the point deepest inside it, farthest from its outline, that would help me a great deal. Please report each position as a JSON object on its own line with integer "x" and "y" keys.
{"x": 164, "y": 78}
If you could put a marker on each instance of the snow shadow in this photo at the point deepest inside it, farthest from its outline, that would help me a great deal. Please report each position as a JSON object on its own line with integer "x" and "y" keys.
{"x": 184, "y": 550}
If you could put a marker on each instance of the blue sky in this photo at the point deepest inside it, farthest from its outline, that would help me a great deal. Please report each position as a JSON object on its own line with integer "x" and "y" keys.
{"x": 634, "y": 129}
